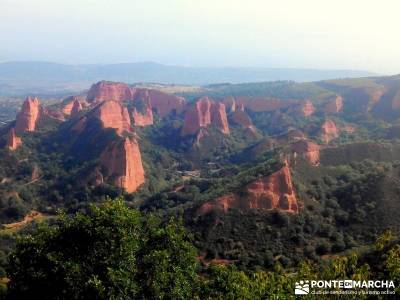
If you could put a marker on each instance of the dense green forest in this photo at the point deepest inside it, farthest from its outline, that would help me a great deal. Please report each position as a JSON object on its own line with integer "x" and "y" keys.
{"x": 114, "y": 252}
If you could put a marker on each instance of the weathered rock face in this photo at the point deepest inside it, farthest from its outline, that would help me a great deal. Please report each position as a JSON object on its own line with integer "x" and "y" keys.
{"x": 257, "y": 104}
{"x": 364, "y": 98}
{"x": 230, "y": 104}
{"x": 163, "y": 103}
{"x": 241, "y": 118}
{"x": 123, "y": 164}
{"x": 334, "y": 106}
{"x": 204, "y": 113}
{"x": 29, "y": 115}
{"x": 304, "y": 109}
{"x": 328, "y": 131}
{"x": 70, "y": 102}
{"x": 271, "y": 192}
{"x": 113, "y": 115}
{"x": 53, "y": 114}
{"x": 105, "y": 90}
{"x": 76, "y": 107}
{"x": 13, "y": 142}
{"x": 375, "y": 95}
{"x": 308, "y": 150}
{"x": 218, "y": 117}
{"x": 142, "y": 112}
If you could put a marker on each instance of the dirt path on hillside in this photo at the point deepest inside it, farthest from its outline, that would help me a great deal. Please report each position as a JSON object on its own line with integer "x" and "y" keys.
{"x": 33, "y": 215}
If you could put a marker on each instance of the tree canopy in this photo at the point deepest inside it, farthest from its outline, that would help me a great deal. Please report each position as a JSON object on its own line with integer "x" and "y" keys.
{"x": 112, "y": 252}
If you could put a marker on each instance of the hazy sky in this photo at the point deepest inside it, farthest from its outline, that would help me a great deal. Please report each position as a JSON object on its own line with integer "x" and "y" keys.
{"x": 351, "y": 34}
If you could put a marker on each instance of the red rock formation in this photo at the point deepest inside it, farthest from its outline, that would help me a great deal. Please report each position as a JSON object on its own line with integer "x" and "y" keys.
{"x": 375, "y": 94}
{"x": 13, "y": 142}
{"x": 328, "y": 131}
{"x": 28, "y": 117}
{"x": 270, "y": 192}
{"x": 308, "y": 150}
{"x": 204, "y": 113}
{"x": 113, "y": 115}
{"x": 241, "y": 118}
{"x": 123, "y": 164}
{"x": 69, "y": 103}
{"x": 258, "y": 104}
{"x": 163, "y": 103}
{"x": 218, "y": 117}
{"x": 142, "y": 113}
{"x": 76, "y": 107}
{"x": 105, "y": 90}
{"x": 230, "y": 104}
{"x": 304, "y": 109}
{"x": 53, "y": 114}
{"x": 334, "y": 106}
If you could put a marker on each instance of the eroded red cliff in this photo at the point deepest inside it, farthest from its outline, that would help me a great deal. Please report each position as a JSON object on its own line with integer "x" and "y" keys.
{"x": 308, "y": 150}
{"x": 257, "y": 104}
{"x": 270, "y": 192}
{"x": 205, "y": 112}
{"x": 76, "y": 107}
{"x": 304, "y": 109}
{"x": 161, "y": 102}
{"x": 29, "y": 115}
{"x": 13, "y": 142}
{"x": 123, "y": 164}
{"x": 328, "y": 131}
{"x": 106, "y": 90}
{"x": 113, "y": 114}
{"x": 74, "y": 101}
{"x": 142, "y": 112}
{"x": 334, "y": 106}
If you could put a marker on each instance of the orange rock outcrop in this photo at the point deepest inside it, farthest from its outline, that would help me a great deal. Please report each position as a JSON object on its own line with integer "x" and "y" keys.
{"x": 76, "y": 107}
{"x": 53, "y": 114}
{"x": 106, "y": 90}
{"x": 334, "y": 106}
{"x": 241, "y": 118}
{"x": 13, "y": 142}
{"x": 70, "y": 102}
{"x": 123, "y": 164}
{"x": 113, "y": 115}
{"x": 257, "y": 104}
{"x": 161, "y": 102}
{"x": 308, "y": 150}
{"x": 304, "y": 109}
{"x": 29, "y": 115}
{"x": 270, "y": 192}
{"x": 205, "y": 112}
{"x": 142, "y": 112}
{"x": 329, "y": 131}
{"x": 375, "y": 94}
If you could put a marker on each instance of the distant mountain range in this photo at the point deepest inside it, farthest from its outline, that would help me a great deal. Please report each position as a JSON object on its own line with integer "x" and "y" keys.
{"x": 54, "y": 79}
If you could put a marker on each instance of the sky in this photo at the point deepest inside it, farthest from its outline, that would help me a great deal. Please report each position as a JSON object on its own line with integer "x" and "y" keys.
{"x": 322, "y": 34}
